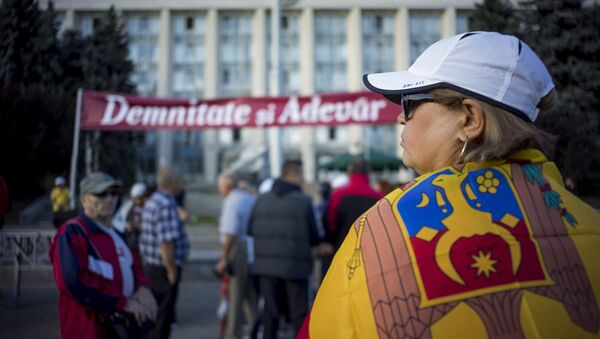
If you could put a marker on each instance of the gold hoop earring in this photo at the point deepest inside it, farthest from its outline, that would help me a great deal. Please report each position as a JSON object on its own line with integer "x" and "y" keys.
{"x": 462, "y": 152}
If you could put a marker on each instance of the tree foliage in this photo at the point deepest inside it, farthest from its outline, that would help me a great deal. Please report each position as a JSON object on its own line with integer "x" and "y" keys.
{"x": 39, "y": 77}
{"x": 566, "y": 36}
{"x": 496, "y": 16}
{"x": 106, "y": 67}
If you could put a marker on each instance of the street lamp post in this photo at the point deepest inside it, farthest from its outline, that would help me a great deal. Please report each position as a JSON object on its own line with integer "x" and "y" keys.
{"x": 275, "y": 148}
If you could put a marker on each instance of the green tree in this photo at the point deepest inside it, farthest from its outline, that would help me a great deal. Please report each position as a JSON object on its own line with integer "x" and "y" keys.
{"x": 34, "y": 116}
{"x": 106, "y": 67}
{"x": 566, "y": 35}
{"x": 496, "y": 16}
{"x": 39, "y": 77}
{"x": 106, "y": 62}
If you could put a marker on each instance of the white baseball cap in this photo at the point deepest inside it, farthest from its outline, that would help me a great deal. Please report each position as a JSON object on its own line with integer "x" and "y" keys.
{"x": 59, "y": 181}
{"x": 495, "y": 68}
{"x": 138, "y": 189}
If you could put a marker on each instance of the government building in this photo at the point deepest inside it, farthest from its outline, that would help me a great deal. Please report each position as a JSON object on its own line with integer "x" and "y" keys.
{"x": 222, "y": 48}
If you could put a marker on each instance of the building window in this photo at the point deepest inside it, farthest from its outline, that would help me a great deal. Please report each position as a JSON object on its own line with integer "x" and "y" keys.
{"x": 60, "y": 24}
{"x": 143, "y": 51}
{"x": 237, "y": 134}
{"x": 378, "y": 42}
{"x": 462, "y": 22}
{"x": 425, "y": 29}
{"x": 235, "y": 69}
{"x": 187, "y": 81}
{"x": 88, "y": 23}
{"x": 188, "y": 56}
{"x": 330, "y": 52}
{"x": 330, "y": 64}
{"x": 289, "y": 54}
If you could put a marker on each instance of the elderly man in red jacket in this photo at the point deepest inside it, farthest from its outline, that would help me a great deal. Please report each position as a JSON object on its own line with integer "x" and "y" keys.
{"x": 96, "y": 273}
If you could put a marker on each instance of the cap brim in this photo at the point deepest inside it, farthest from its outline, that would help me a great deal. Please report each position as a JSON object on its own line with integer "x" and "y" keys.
{"x": 106, "y": 185}
{"x": 394, "y": 83}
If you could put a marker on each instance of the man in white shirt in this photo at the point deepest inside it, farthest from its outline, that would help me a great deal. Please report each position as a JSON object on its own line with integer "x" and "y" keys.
{"x": 233, "y": 229}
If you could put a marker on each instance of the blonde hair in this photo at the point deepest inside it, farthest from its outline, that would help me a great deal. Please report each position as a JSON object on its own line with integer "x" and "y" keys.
{"x": 504, "y": 132}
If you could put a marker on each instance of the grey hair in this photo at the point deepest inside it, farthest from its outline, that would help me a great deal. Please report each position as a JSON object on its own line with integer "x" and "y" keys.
{"x": 504, "y": 132}
{"x": 167, "y": 176}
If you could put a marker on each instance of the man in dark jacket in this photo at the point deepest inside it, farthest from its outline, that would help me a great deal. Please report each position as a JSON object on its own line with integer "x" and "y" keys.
{"x": 349, "y": 202}
{"x": 284, "y": 228}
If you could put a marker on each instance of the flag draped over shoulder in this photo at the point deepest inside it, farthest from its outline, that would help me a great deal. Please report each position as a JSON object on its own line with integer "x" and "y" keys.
{"x": 500, "y": 249}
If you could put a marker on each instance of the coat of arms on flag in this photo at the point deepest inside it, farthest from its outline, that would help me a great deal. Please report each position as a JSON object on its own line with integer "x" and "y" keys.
{"x": 467, "y": 235}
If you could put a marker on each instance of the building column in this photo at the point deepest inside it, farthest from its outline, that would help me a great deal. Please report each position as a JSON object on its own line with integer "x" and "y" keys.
{"x": 165, "y": 138}
{"x": 356, "y": 133}
{"x": 307, "y": 87}
{"x": 257, "y": 137}
{"x": 402, "y": 62}
{"x": 211, "y": 76}
{"x": 449, "y": 22}
{"x": 69, "y": 22}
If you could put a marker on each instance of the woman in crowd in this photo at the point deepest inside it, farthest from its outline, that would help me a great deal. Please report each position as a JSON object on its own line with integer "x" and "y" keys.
{"x": 486, "y": 242}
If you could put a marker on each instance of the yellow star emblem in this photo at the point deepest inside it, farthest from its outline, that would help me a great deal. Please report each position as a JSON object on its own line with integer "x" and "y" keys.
{"x": 484, "y": 263}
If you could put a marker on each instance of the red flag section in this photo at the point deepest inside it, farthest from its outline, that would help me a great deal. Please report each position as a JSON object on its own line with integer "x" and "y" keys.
{"x": 114, "y": 111}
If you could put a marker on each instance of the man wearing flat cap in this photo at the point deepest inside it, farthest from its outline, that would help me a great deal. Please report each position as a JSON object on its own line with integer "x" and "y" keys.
{"x": 96, "y": 273}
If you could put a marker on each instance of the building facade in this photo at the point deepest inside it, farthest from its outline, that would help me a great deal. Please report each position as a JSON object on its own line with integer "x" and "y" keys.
{"x": 221, "y": 48}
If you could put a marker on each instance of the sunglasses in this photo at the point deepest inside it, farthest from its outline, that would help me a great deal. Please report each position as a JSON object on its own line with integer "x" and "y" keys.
{"x": 112, "y": 193}
{"x": 410, "y": 102}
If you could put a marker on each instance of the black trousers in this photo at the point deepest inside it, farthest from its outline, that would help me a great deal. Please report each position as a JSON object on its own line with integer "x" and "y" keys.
{"x": 166, "y": 296}
{"x": 281, "y": 295}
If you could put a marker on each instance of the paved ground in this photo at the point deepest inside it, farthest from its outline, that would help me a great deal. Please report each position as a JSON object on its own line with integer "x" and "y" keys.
{"x": 36, "y": 314}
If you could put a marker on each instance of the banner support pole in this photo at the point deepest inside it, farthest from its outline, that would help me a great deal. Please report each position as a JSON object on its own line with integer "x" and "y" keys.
{"x": 75, "y": 153}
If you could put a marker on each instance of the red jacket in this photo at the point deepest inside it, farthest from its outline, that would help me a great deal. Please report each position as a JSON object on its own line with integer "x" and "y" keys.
{"x": 88, "y": 277}
{"x": 346, "y": 204}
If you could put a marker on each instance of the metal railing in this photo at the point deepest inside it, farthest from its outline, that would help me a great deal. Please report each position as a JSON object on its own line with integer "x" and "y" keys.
{"x": 25, "y": 249}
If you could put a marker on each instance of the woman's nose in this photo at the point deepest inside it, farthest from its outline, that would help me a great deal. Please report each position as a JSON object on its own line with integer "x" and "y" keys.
{"x": 401, "y": 118}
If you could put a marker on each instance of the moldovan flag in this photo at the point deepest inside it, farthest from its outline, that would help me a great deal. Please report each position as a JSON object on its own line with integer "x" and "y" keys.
{"x": 497, "y": 250}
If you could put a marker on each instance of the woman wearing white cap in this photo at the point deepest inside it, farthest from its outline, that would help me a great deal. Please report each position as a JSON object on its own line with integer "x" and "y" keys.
{"x": 486, "y": 242}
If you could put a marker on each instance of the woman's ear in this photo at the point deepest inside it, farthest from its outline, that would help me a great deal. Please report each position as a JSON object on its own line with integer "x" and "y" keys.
{"x": 474, "y": 119}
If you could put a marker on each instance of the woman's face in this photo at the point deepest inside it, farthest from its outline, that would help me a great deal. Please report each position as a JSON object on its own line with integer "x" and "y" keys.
{"x": 431, "y": 137}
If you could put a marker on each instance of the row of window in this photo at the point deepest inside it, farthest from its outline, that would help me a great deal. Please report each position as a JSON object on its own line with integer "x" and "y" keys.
{"x": 235, "y": 42}
{"x": 188, "y": 57}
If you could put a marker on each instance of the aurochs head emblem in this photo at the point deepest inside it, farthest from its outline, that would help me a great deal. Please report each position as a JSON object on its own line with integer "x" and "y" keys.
{"x": 468, "y": 236}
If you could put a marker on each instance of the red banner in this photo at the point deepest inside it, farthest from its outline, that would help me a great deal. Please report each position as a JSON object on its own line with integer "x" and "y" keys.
{"x": 113, "y": 111}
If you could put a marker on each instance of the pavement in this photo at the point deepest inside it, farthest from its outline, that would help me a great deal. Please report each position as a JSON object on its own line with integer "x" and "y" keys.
{"x": 36, "y": 315}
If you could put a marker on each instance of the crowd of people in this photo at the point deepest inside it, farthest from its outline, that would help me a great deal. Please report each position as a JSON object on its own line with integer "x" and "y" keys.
{"x": 486, "y": 231}
{"x": 267, "y": 251}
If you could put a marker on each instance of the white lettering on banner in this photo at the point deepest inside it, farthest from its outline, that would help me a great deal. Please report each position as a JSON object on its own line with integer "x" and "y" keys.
{"x": 201, "y": 114}
{"x": 266, "y": 116}
{"x": 154, "y": 115}
{"x": 107, "y": 117}
{"x": 325, "y": 112}
{"x": 310, "y": 112}
{"x": 360, "y": 110}
{"x": 314, "y": 111}
{"x": 241, "y": 115}
{"x": 291, "y": 112}
{"x": 191, "y": 116}
{"x": 214, "y": 115}
{"x": 134, "y": 116}
{"x": 176, "y": 116}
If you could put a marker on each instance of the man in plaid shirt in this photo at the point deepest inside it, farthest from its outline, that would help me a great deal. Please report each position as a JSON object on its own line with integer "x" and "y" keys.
{"x": 164, "y": 246}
